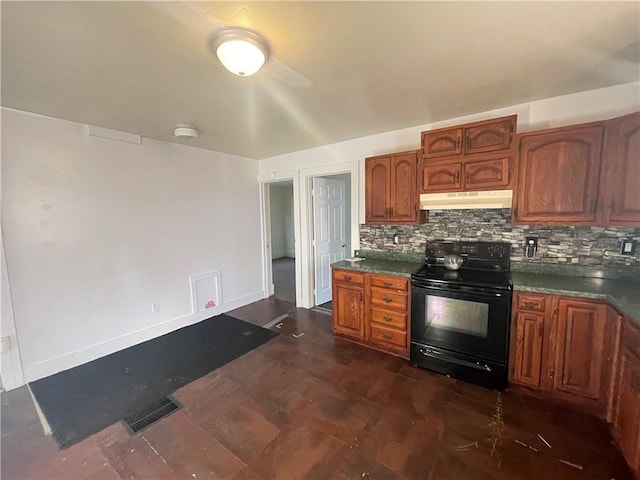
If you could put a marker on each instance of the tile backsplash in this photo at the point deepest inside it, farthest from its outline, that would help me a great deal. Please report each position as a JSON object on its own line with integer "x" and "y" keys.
{"x": 592, "y": 246}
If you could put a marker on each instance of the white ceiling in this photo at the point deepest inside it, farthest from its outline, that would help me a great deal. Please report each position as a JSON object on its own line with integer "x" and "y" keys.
{"x": 374, "y": 66}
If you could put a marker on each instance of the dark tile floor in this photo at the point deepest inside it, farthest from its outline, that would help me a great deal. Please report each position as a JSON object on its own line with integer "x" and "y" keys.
{"x": 312, "y": 406}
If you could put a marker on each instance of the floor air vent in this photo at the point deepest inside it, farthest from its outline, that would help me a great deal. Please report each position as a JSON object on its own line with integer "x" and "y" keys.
{"x": 150, "y": 414}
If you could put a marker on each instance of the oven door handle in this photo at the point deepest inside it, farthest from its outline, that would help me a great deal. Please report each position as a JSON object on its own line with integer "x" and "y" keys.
{"x": 460, "y": 290}
{"x": 429, "y": 352}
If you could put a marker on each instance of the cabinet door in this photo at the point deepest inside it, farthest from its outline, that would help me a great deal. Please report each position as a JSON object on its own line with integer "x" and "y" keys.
{"x": 528, "y": 356}
{"x": 622, "y": 166}
{"x": 404, "y": 199}
{"x": 558, "y": 176}
{"x": 441, "y": 178}
{"x": 580, "y": 343}
{"x": 442, "y": 143}
{"x": 486, "y": 174}
{"x": 626, "y": 423}
{"x": 348, "y": 310}
{"x": 377, "y": 192}
{"x": 489, "y": 136}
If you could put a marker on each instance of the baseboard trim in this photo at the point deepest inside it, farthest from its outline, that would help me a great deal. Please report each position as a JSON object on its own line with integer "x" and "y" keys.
{"x": 78, "y": 357}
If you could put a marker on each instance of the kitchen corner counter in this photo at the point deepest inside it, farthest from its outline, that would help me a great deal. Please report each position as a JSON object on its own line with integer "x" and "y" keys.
{"x": 624, "y": 295}
{"x": 378, "y": 265}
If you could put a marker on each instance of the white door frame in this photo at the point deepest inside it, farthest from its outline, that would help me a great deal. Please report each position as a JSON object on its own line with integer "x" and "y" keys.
{"x": 265, "y": 224}
{"x": 10, "y": 361}
{"x": 303, "y": 224}
{"x": 307, "y": 260}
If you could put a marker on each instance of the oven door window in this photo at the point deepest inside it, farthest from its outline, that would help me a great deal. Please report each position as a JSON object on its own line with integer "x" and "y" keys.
{"x": 462, "y": 316}
{"x": 463, "y": 322}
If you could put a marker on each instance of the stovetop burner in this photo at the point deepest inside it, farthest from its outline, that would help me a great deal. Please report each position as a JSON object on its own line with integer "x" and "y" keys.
{"x": 476, "y": 278}
{"x": 485, "y": 264}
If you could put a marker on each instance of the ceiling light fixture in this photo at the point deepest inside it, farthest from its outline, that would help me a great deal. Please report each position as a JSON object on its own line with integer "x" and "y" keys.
{"x": 241, "y": 50}
{"x": 185, "y": 131}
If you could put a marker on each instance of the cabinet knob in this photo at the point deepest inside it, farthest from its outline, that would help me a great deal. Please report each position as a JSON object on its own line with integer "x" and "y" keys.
{"x": 386, "y": 336}
{"x": 347, "y": 278}
{"x": 387, "y": 284}
{"x": 552, "y": 373}
{"x": 529, "y": 304}
{"x": 387, "y": 300}
{"x": 387, "y": 319}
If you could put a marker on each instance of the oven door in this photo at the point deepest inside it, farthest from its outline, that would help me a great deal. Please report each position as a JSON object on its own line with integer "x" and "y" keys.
{"x": 472, "y": 321}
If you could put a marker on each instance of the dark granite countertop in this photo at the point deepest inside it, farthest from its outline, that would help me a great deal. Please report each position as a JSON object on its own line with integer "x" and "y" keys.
{"x": 624, "y": 295}
{"x": 376, "y": 265}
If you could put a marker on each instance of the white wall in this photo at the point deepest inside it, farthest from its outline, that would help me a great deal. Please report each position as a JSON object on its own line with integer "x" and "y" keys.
{"x": 336, "y": 158}
{"x": 97, "y": 230}
{"x": 282, "y": 234}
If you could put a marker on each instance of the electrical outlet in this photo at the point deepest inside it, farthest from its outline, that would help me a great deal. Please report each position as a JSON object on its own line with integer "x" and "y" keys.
{"x": 627, "y": 247}
{"x": 5, "y": 344}
{"x": 155, "y": 307}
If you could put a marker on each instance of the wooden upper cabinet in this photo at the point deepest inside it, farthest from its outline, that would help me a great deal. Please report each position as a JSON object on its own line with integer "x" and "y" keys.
{"x": 391, "y": 189}
{"x": 621, "y": 204}
{"x": 489, "y": 136}
{"x": 446, "y": 177}
{"x": 378, "y": 172}
{"x": 486, "y": 174}
{"x": 443, "y": 142}
{"x": 403, "y": 195}
{"x": 581, "y": 344}
{"x": 558, "y": 175}
{"x": 471, "y": 138}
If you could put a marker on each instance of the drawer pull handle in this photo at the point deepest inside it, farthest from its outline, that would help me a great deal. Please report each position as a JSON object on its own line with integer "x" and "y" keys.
{"x": 387, "y": 284}
{"x": 387, "y": 319}
{"x": 387, "y": 300}
{"x": 386, "y": 336}
{"x": 347, "y": 278}
{"x": 529, "y": 304}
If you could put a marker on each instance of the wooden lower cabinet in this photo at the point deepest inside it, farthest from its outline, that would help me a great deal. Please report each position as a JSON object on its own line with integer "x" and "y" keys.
{"x": 528, "y": 358}
{"x": 575, "y": 351}
{"x": 348, "y": 308}
{"x": 563, "y": 347}
{"x": 578, "y": 352}
{"x": 626, "y": 416}
{"x": 374, "y": 312}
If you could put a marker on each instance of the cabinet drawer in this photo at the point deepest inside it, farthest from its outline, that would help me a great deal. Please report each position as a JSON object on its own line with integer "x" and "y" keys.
{"x": 531, "y": 301}
{"x": 385, "y": 335}
{"x": 394, "y": 283}
{"x": 631, "y": 337}
{"x": 388, "y": 299}
{"x": 348, "y": 277}
{"x": 389, "y": 319}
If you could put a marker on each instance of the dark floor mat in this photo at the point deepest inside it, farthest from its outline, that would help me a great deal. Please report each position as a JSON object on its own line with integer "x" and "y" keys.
{"x": 83, "y": 400}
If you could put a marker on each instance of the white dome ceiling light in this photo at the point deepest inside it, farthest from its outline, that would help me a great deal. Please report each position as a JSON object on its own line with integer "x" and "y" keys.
{"x": 185, "y": 132}
{"x": 242, "y": 51}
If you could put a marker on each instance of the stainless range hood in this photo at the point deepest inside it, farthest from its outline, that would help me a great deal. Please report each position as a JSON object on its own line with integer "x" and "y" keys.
{"x": 466, "y": 200}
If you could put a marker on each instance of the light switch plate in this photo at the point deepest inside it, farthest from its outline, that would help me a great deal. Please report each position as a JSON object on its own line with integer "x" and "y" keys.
{"x": 627, "y": 246}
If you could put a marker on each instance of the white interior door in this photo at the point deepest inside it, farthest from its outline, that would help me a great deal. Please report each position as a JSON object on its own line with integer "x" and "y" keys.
{"x": 329, "y": 231}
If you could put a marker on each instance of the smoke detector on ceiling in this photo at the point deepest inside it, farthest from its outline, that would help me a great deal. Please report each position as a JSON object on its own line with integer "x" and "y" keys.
{"x": 185, "y": 132}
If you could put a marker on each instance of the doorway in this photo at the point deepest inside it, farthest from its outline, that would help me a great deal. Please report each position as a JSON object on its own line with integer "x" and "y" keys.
{"x": 282, "y": 244}
{"x": 331, "y": 238}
